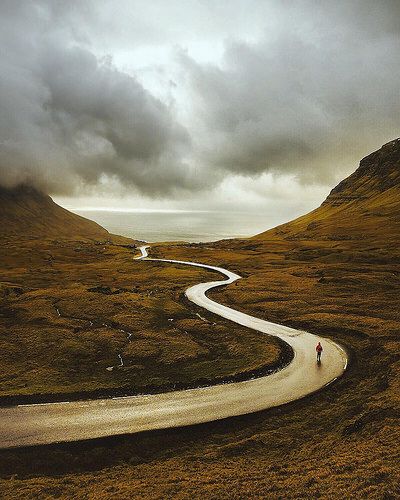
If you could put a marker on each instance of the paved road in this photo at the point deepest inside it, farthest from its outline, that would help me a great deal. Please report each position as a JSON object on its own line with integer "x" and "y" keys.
{"x": 27, "y": 425}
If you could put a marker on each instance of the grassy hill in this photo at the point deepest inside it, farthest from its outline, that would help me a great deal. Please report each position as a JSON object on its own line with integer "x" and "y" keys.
{"x": 363, "y": 207}
{"x": 26, "y": 213}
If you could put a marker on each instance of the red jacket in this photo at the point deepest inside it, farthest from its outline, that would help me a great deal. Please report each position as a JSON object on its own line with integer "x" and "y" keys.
{"x": 319, "y": 348}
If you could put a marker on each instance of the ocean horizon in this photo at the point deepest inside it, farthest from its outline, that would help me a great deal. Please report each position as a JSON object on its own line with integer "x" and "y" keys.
{"x": 194, "y": 226}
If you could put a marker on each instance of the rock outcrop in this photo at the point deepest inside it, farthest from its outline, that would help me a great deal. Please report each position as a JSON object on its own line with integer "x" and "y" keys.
{"x": 378, "y": 172}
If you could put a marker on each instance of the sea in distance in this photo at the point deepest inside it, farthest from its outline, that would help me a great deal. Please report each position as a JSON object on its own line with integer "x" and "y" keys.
{"x": 179, "y": 225}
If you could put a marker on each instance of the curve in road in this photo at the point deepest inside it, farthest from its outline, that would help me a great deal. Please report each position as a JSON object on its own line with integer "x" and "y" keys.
{"x": 36, "y": 424}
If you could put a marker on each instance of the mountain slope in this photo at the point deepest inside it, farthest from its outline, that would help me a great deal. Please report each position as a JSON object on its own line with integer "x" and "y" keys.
{"x": 27, "y": 213}
{"x": 366, "y": 205}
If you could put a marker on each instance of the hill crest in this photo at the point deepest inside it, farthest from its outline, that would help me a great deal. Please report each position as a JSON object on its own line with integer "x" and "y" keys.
{"x": 26, "y": 212}
{"x": 365, "y": 205}
{"x": 377, "y": 172}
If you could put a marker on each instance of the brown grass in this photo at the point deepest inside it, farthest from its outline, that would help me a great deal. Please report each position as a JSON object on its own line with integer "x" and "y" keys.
{"x": 342, "y": 442}
{"x": 336, "y": 273}
{"x": 110, "y": 305}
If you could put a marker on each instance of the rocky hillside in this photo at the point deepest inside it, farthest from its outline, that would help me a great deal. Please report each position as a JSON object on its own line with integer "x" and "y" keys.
{"x": 365, "y": 206}
{"x": 27, "y": 213}
{"x": 378, "y": 173}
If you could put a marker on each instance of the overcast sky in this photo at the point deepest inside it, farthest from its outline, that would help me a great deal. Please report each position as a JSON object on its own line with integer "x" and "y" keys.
{"x": 244, "y": 104}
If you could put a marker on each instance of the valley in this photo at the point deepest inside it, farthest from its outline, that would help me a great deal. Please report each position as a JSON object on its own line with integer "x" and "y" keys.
{"x": 334, "y": 272}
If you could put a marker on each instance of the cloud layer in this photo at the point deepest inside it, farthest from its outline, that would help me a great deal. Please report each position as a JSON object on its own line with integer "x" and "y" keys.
{"x": 307, "y": 100}
{"x": 68, "y": 118}
{"x": 301, "y": 90}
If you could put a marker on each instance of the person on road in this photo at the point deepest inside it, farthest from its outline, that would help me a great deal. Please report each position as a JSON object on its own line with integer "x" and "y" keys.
{"x": 319, "y": 351}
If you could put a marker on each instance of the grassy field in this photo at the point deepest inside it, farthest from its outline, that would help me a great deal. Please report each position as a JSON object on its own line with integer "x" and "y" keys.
{"x": 340, "y": 442}
{"x": 73, "y": 312}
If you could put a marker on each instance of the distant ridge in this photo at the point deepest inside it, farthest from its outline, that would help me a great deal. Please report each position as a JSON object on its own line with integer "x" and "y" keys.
{"x": 365, "y": 205}
{"x": 377, "y": 173}
{"x": 26, "y": 212}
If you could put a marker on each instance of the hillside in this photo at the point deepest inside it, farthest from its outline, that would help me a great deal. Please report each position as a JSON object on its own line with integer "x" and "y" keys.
{"x": 364, "y": 206}
{"x": 27, "y": 213}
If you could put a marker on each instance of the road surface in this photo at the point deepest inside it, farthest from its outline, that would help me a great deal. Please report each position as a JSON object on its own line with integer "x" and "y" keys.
{"x": 35, "y": 424}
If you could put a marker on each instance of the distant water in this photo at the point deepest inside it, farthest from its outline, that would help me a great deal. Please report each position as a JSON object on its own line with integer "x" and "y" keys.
{"x": 189, "y": 226}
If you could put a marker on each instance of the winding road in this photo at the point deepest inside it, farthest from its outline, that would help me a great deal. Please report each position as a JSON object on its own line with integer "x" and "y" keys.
{"x": 36, "y": 424}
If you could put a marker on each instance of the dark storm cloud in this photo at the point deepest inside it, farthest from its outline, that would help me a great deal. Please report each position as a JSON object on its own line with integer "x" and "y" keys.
{"x": 68, "y": 118}
{"x": 115, "y": 125}
{"x": 306, "y": 98}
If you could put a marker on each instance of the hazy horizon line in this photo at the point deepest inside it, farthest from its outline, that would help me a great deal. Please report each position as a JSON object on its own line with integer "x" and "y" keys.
{"x": 148, "y": 210}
